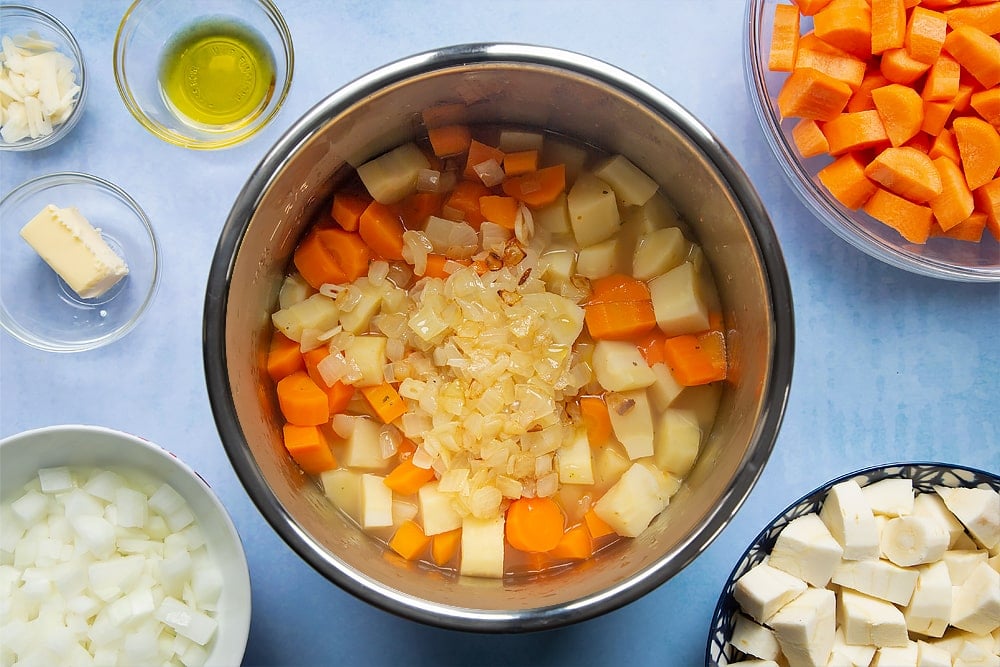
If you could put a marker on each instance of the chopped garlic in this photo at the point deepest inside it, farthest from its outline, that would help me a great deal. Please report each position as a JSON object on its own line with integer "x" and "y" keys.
{"x": 38, "y": 88}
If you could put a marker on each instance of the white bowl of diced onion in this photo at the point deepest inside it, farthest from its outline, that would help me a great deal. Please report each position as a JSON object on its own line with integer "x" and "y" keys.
{"x": 43, "y": 82}
{"x": 114, "y": 548}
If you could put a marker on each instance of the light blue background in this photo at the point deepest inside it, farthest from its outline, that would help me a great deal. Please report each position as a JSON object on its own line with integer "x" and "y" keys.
{"x": 888, "y": 366}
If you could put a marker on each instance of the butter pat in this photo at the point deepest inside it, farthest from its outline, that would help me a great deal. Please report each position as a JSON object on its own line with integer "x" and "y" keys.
{"x": 75, "y": 250}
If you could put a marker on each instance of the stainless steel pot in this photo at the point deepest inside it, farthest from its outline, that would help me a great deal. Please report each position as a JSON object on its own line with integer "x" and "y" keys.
{"x": 546, "y": 88}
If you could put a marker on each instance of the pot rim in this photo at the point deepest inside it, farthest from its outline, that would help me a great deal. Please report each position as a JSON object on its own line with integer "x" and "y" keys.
{"x": 773, "y": 403}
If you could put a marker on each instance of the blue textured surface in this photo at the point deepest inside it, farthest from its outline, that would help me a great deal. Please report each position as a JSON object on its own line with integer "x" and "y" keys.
{"x": 889, "y": 366}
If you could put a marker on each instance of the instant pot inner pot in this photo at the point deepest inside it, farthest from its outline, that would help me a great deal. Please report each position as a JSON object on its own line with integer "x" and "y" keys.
{"x": 343, "y": 132}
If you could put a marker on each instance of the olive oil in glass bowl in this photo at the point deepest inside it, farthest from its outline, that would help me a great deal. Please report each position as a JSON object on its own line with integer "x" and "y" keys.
{"x": 203, "y": 76}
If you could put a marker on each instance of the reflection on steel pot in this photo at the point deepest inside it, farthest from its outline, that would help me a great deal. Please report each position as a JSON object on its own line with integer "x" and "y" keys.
{"x": 557, "y": 91}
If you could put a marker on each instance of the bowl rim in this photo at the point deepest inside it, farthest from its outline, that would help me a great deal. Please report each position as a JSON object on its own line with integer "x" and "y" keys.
{"x": 224, "y": 140}
{"x": 58, "y": 178}
{"x": 830, "y": 213}
{"x": 239, "y": 566}
{"x": 775, "y": 393}
{"x": 762, "y": 543}
{"x": 61, "y": 130}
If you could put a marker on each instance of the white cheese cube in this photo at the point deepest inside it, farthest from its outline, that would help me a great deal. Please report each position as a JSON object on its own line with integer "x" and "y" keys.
{"x": 856, "y": 655}
{"x": 929, "y": 655}
{"x": 891, "y": 497}
{"x": 806, "y": 626}
{"x": 977, "y": 509}
{"x": 763, "y": 590}
{"x": 877, "y": 578}
{"x": 574, "y": 461}
{"x": 376, "y": 502}
{"x": 437, "y": 515}
{"x": 619, "y": 366}
{"x": 677, "y": 441}
{"x": 897, "y": 656}
{"x": 754, "y": 639}
{"x": 633, "y": 501}
{"x": 631, "y": 184}
{"x": 361, "y": 448}
{"x": 75, "y": 250}
{"x": 913, "y": 540}
{"x": 850, "y": 520}
{"x": 482, "y": 547}
{"x": 931, "y": 505}
{"x": 806, "y": 549}
{"x": 961, "y": 563}
{"x": 976, "y": 604}
{"x": 593, "y": 210}
{"x": 678, "y": 303}
{"x": 929, "y": 610}
{"x": 871, "y": 621}
{"x": 632, "y": 422}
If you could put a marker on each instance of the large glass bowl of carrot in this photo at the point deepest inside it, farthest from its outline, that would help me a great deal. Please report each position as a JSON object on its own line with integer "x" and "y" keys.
{"x": 884, "y": 117}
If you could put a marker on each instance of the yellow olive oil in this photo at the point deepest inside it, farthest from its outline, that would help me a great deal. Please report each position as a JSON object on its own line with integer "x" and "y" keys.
{"x": 217, "y": 73}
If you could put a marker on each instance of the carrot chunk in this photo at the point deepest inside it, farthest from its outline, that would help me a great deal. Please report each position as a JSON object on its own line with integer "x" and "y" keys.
{"x": 301, "y": 400}
{"x": 619, "y": 321}
{"x": 977, "y": 52}
{"x": 906, "y": 172}
{"x": 845, "y": 179}
{"x": 696, "y": 359}
{"x": 520, "y": 162}
{"x": 945, "y": 145}
{"x": 538, "y": 188}
{"x": 308, "y": 448}
{"x": 594, "y": 412}
{"x": 465, "y": 198}
{"x": 936, "y": 116}
{"x": 987, "y": 198}
{"x": 575, "y": 544}
{"x": 347, "y": 208}
{"x": 500, "y": 210}
{"x": 316, "y": 264}
{"x": 846, "y": 24}
{"x": 478, "y": 154}
{"x": 979, "y": 146}
{"x": 987, "y": 105}
{"x": 901, "y": 110}
{"x": 534, "y": 524}
{"x": 971, "y": 229}
{"x": 348, "y": 250}
{"x": 912, "y": 221}
{"x": 942, "y": 79}
{"x": 985, "y": 17}
{"x": 407, "y": 478}
{"x": 784, "y": 38}
{"x": 618, "y": 287}
{"x": 888, "y": 25}
{"x": 861, "y": 99}
{"x": 382, "y": 230}
{"x": 810, "y": 7}
{"x": 449, "y": 140}
{"x": 810, "y": 93}
{"x": 816, "y": 54}
{"x": 855, "y": 131}
{"x": 283, "y": 357}
{"x": 900, "y": 67}
{"x": 925, "y": 32}
{"x": 444, "y": 546}
{"x": 954, "y": 204}
{"x": 385, "y": 401}
{"x": 409, "y": 541}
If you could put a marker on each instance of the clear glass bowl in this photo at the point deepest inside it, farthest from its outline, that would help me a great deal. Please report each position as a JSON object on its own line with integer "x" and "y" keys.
{"x": 22, "y": 20}
{"x": 939, "y": 257}
{"x": 925, "y": 476}
{"x": 149, "y": 26}
{"x": 83, "y": 446}
{"x": 36, "y": 306}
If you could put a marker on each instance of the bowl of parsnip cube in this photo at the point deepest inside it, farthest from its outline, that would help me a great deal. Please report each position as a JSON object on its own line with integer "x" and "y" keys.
{"x": 473, "y": 238}
{"x": 895, "y": 564}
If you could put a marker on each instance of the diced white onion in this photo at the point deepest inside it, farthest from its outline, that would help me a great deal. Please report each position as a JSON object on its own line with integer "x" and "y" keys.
{"x": 489, "y": 172}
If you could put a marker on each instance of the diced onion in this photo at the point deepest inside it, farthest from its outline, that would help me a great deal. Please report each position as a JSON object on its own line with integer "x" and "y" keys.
{"x": 489, "y": 172}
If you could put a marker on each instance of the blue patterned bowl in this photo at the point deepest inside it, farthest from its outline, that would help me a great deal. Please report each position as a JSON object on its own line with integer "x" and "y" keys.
{"x": 925, "y": 476}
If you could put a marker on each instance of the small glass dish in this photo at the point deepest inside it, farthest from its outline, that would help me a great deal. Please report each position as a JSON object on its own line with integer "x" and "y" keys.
{"x": 939, "y": 258}
{"x": 36, "y": 306}
{"x": 150, "y": 27}
{"x": 924, "y": 475}
{"x": 19, "y": 20}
